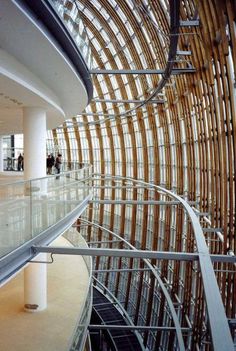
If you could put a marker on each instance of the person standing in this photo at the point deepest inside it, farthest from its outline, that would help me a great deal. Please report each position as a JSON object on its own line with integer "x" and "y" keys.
{"x": 53, "y": 160}
{"x": 20, "y": 164}
{"x": 58, "y": 164}
{"x": 50, "y": 164}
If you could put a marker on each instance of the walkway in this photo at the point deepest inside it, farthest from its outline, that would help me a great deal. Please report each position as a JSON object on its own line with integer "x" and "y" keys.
{"x": 49, "y": 330}
{"x": 36, "y": 212}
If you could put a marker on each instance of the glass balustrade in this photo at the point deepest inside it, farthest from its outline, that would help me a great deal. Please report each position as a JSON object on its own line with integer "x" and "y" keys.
{"x": 70, "y": 15}
{"x": 27, "y": 208}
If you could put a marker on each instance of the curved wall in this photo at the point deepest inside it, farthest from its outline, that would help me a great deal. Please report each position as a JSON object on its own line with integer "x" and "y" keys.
{"x": 185, "y": 142}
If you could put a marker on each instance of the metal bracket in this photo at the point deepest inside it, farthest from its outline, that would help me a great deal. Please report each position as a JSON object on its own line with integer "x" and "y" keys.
{"x": 189, "y": 23}
{"x": 46, "y": 262}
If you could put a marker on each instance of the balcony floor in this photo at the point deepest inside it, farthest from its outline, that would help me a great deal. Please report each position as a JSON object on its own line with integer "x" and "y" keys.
{"x": 49, "y": 330}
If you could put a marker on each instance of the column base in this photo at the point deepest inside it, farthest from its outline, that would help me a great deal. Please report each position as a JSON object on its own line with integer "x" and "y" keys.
{"x": 32, "y": 308}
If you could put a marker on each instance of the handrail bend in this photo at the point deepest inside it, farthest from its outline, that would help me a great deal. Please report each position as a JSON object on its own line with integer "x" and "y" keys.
{"x": 164, "y": 290}
{"x": 174, "y": 30}
{"x": 218, "y": 323}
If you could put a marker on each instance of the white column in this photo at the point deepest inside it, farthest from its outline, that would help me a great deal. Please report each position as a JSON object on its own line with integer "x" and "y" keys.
{"x": 1, "y": 153}
{"x": 34, "y": 128}
{"x": 35, "y": 285}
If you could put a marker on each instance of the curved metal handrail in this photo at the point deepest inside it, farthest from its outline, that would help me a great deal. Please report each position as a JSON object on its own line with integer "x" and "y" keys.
{"x": 28, "y": 200}
{"x": 174, "y": 30}
{"x": 63, "y": 173}
{"x": 164, "y": 290}
{"x": 219, "y": 328}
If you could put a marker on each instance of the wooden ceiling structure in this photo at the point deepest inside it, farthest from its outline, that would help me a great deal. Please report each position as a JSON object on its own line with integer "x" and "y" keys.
{"x": 185, "y": 142}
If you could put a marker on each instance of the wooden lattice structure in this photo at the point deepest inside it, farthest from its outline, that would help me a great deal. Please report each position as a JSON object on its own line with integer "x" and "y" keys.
{"x": 184, "y": 142}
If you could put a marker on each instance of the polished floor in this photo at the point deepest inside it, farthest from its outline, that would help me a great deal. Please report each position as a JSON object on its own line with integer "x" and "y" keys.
{"x": 51, "y": 329}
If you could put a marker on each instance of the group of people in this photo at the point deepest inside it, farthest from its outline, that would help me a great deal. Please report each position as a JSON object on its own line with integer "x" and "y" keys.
{"x": 51, "y": 162}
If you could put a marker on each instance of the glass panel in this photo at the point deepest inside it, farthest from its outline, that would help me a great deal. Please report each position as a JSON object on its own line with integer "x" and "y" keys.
{"x": 28, "y": 208}
{"x": 70, "y": 15}
{"x": 15, "y": 216}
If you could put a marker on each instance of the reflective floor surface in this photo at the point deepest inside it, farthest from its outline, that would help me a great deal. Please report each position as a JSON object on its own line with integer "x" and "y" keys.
{"x": 51, "y": 329}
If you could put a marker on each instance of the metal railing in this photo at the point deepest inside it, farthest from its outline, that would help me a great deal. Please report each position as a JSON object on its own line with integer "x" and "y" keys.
{"x": 28, "y": 208}
{"x": 153, "y": 272}
{"x": 80, "y": 335}
{"x": 214, "y": 316}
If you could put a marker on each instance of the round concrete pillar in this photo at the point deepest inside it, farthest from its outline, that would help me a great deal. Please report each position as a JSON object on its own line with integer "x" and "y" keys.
{"x": 1, "y": 153}
{"x": 34, "y": 128}
{"x": 35, "y": 285}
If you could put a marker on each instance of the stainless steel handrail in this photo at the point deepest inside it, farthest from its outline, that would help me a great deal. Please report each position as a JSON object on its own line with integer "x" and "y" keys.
{"x": 218, "y": 323}
{"x": 174, "y": 30}
{"x": 86, "y": 166}
{"x": 164, "y": 290}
